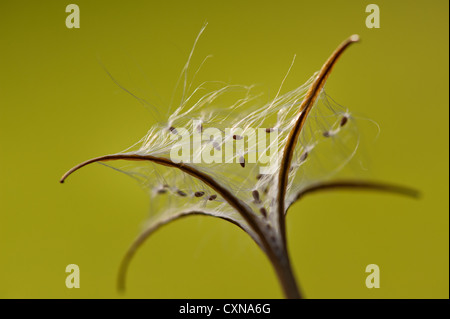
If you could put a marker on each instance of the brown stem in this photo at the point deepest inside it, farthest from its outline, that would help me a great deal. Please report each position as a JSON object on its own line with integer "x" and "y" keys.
{"x": 305, "y": 108}
{"x": 286, "y": 277}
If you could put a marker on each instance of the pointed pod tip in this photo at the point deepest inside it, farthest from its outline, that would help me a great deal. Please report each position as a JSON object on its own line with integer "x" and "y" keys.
{"x": 63, "y": 178}
{"x": 416, "y": 194}
{"x": 355, "y": 38}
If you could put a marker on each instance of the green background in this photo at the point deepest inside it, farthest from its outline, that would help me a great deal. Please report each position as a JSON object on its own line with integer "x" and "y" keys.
{"x": 59, "y": 107}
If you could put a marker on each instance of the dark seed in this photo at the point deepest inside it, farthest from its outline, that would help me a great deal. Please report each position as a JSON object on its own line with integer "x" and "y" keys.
{"x": 263, "y": 211}
{"x": 269, "y": 130}
{"x": 199, "y": 194}
{"x": 259, "y": 176}
{"x": 162, "y": 191}
{"x": 212, "y": 197}
{"x": 173, "y": 130}
{"x": 255, "y": 194}
{"x": 242, "y": 161}
{"x": 181, "y": 193}
{"x": 237, "y": 137}
{"x": 216, "y": 146}
{"x": 344, "y": 121}
{"x": 304, "y": 156}
{"x": 326, "y": 134}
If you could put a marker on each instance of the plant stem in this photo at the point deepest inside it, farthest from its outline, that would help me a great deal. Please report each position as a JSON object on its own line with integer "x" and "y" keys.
{"x": 283, "y": 269}
{"x": 276, "y": 251}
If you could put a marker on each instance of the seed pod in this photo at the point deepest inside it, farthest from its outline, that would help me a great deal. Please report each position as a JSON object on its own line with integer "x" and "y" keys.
{"x": 212, "y": 197}
{"x": 344, "y": 120}
{"x": 199, "y": 194}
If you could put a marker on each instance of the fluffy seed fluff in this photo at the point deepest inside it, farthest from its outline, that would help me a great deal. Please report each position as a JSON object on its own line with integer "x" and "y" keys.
{"x": 316, "y": 138}
{"x": 325, "y": 145}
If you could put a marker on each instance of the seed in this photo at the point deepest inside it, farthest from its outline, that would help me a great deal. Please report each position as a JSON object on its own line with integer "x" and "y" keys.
{"x": 242, "y": 161}
{"x": 269, "y": 130}
{"x": 173, "y": 130}
{"x": 200, "y": 128}
{"x": 237, "y": 137}
{"x": 344, "y": 121}
{"x": 263, "y": 211}
{"x": 162, "y": 191}
{"x": 216, "y": 146}
{"x": 304, "y": 156}
{"x": 212, "y": 197}
{"x": 199, "y": 194}
{"x": 327, "y": 134}
{"x": 181, "y": 193}
{"x": 255, "y": 194}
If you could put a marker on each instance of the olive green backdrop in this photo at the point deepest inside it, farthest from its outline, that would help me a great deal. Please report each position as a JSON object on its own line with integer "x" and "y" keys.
{"x": 59, "y": 107}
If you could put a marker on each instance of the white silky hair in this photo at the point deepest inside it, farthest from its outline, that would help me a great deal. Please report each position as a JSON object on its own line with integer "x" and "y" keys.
{"x": 329, "y": 140}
